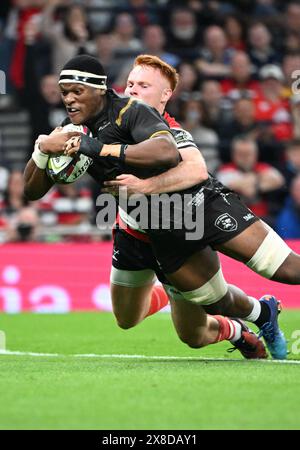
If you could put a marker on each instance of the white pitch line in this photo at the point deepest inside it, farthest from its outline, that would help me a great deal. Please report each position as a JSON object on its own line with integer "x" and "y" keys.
{"x": 17, "y": 353}
{"x": 152, "y": 357}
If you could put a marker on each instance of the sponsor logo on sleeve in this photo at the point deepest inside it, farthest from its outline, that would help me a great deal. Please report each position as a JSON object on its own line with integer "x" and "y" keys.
{"x": 248, "y": 217}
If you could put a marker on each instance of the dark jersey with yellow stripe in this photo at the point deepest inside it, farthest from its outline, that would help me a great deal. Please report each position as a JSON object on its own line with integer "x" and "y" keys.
{"x": 124, "y": 120}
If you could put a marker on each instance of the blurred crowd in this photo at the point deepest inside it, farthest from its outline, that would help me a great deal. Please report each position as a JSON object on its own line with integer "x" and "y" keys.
{"x": 239, "y": 95}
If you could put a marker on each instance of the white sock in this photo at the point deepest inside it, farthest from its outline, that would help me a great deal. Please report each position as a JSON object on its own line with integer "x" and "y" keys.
{"x": 255, "y": 313}
{"x": 237, "y": 332}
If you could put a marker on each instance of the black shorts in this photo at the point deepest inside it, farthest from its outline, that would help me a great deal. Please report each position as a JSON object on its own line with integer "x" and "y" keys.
{"x": 130, "y": 253}
{"x": 223, "y": 215}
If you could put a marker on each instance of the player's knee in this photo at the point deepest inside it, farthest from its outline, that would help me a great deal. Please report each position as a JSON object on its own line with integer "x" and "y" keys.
{"x": 125, "y": 320}
{"x": 193, "y": 341}
{"x": 126, "y": 324}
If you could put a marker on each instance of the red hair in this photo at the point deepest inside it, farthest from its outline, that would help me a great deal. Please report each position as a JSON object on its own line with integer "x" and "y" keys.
{"x": 167, "y": 71}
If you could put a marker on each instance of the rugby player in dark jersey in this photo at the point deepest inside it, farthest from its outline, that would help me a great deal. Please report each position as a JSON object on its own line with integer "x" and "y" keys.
{"x": 111, "y": 119}
{"x": 134, "y": 265}
{"x": 140, "y": 84}
{"x": 186, "y": 268}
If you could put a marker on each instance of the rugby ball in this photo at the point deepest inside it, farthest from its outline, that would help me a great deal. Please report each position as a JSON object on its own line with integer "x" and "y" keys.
{"x": 64, "y": 169}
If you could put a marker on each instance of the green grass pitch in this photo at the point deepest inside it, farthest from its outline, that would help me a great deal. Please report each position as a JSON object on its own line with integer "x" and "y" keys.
{"x": 193, "y": 390}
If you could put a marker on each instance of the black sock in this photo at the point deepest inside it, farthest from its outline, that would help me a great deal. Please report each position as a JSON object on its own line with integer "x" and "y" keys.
{"x": 264, "y": 315}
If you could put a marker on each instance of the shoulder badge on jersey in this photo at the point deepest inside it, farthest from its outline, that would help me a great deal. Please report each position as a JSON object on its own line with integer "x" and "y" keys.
{"x": 183, "y": 138}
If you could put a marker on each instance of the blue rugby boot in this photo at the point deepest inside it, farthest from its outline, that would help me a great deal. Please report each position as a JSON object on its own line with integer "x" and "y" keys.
{"x": 270, "y": 331}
